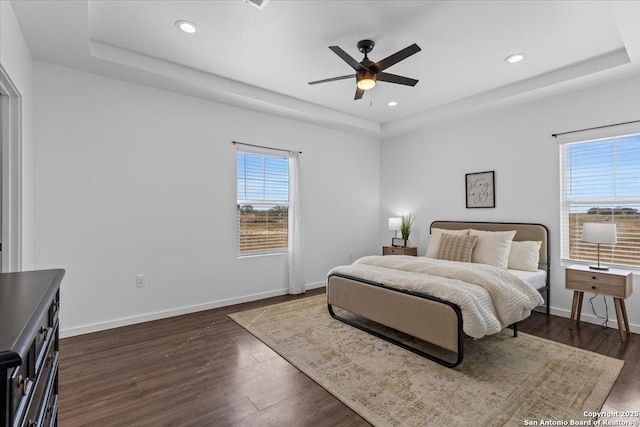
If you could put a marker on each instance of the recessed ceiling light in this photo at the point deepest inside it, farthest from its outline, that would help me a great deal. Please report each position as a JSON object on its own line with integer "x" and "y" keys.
{"x": 187, "y": 27}
{"x": 516, "y": 57}
{"x": 392, "y": 103}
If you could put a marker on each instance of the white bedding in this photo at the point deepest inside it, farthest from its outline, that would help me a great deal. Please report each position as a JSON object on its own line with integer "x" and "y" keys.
{"x": 490, "y": 298}
{"x": 537, "y": 279}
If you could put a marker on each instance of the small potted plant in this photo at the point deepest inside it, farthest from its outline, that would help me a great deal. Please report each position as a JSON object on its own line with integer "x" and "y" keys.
{"x": 405, "y": 228}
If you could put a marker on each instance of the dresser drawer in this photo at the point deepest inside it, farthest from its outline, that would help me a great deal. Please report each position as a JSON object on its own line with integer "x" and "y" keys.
{"x": 20, "y": 386}
{"x": 23, "y": 385}
{"x": 51, "y": 413}
{"x": 43, "y": 389}
{"x": 43, "y": 336}
{"x": 53, "y": 310}
{"x": 598, "y": 283}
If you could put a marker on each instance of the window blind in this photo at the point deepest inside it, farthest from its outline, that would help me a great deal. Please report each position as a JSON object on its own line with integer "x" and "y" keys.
{"x": 262, "y": 202}
{"x": 600, "y": 181}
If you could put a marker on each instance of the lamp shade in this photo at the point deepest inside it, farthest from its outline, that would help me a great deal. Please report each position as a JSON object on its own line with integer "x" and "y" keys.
{"x": 596, "y": 232}
{"x": 395, "y": 224}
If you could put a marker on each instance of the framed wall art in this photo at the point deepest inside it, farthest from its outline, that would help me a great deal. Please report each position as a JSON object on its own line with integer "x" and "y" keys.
{"x": 480, "y": 189}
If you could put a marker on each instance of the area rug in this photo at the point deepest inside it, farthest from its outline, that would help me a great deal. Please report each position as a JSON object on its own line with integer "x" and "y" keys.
{"x": 501, "y": 381}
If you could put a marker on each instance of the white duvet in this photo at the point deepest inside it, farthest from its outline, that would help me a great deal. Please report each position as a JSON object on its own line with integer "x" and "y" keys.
{"x": 490, "y": 298}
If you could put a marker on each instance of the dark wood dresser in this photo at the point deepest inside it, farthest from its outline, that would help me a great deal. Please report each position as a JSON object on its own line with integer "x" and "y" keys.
{"x": 29, "y": 303}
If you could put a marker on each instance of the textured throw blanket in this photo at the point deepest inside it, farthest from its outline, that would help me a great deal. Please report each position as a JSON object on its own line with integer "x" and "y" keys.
{"x": 490, "y": 298}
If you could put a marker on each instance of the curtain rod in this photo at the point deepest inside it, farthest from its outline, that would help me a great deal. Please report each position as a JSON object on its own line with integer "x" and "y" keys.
{"x": 262, "y": 146}
{"x": 555, "y": 135}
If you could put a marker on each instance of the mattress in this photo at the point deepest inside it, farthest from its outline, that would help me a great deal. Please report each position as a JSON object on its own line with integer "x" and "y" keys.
{"x": 537, "y": 279}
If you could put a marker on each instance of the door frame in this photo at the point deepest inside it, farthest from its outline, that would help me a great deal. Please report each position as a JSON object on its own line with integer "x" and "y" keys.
{"x": 11, "y": 145}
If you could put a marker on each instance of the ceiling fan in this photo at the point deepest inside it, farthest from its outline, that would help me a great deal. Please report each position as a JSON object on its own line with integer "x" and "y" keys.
{"x": 368, "y": 72}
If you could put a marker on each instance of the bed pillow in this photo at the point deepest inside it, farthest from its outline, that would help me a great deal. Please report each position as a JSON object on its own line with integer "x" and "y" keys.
{"x": 434, "y": 241}
{"x": 454, "y": 247}
{"x": 525, "y": 255}
{"x": 492, "y": 247}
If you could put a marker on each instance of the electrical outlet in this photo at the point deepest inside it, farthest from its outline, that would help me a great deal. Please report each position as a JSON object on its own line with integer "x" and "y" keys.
{"x": 141, "y": 280}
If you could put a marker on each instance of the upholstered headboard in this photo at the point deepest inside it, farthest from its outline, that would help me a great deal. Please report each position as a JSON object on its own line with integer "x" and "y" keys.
{"x": 524, "y": 231}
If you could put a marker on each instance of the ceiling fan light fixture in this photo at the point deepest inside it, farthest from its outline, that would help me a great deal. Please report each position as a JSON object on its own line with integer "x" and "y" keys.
{"x": 366, "y": 83}
{"x": 512, "y": 59}
{"x": 187, "y": 26}
{"x": 366, "y": 80}
{"x": 369, "y": 72}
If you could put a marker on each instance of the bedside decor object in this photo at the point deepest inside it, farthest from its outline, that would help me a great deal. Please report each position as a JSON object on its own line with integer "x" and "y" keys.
{"x": 395, "y": 224}
{"x": 405, "y": 228}
{"x": 397, "y": 242}
{"x": 480, "y": 189}
{"x": 599, "y": 233}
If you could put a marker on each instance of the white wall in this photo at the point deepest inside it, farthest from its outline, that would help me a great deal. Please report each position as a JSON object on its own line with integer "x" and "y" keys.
{"x": 134, "y": 180}
{"x": 424, "y": 172}
{"x": 16, "y": 61}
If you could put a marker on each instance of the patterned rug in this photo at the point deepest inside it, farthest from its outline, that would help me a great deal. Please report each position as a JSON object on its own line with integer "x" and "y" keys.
{"x": 502, "y": 381}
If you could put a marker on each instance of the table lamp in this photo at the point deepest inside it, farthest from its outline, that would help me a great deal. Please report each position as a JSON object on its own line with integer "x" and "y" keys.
{"x": 600, "y": 233}
{"x": 395, "y": 224}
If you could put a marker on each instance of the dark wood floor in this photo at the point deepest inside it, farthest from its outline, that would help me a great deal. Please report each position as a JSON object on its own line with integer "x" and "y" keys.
{"x": 203, "y": 369}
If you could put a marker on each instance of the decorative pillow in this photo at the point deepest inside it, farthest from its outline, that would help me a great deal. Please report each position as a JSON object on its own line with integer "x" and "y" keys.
{"x": 524, "y": 255}
{"x": 434, "y": 241}
{"x": 456, "y": 247}
{"x": 492, "y": 247}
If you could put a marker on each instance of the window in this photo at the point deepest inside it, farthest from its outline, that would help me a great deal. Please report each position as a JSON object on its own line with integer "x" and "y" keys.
{"x": 601, "y": 183}
{"x": 263, "y": 203}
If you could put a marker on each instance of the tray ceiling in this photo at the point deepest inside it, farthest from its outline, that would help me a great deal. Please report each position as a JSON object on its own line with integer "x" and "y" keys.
{"x": 263, "y": 59}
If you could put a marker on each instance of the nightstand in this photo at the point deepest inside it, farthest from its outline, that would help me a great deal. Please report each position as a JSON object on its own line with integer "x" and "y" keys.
{"x": 393, "y": 250}
{"x": 613, "y": 282}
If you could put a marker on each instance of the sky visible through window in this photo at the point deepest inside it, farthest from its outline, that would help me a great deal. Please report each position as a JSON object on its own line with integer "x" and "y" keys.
{"x": 604, "y": 169}
{"x": 262, "y": 178}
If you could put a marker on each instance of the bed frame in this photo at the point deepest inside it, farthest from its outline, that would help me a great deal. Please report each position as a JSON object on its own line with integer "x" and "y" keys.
{"x": 423, "y": 316}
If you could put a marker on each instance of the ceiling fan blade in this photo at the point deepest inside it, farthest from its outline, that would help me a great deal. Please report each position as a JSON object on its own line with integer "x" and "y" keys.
{"x": 347, "y": 58}
{"x": 393, "y": 78}
{"x": 333, "y": 79}
{"x": 359, "y": 94}
{"x": 397, "y": 57}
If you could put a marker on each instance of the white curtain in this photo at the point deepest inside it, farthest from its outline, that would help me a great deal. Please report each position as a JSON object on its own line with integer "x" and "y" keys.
{"x": 296, "y": 272}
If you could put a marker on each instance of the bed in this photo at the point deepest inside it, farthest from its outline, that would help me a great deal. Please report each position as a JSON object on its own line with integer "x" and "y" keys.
{"x": 371, "y": 288}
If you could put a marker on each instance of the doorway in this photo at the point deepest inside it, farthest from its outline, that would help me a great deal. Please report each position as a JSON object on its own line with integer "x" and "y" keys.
{"x": 10, "y": 174}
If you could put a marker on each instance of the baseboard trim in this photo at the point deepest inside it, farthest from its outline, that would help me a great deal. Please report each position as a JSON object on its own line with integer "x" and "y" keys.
{"x": 126, "y": 321}
{"x": 316, "y": 285}
{"x": 589, "y": 318}
{"x": 117, "y": 323}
